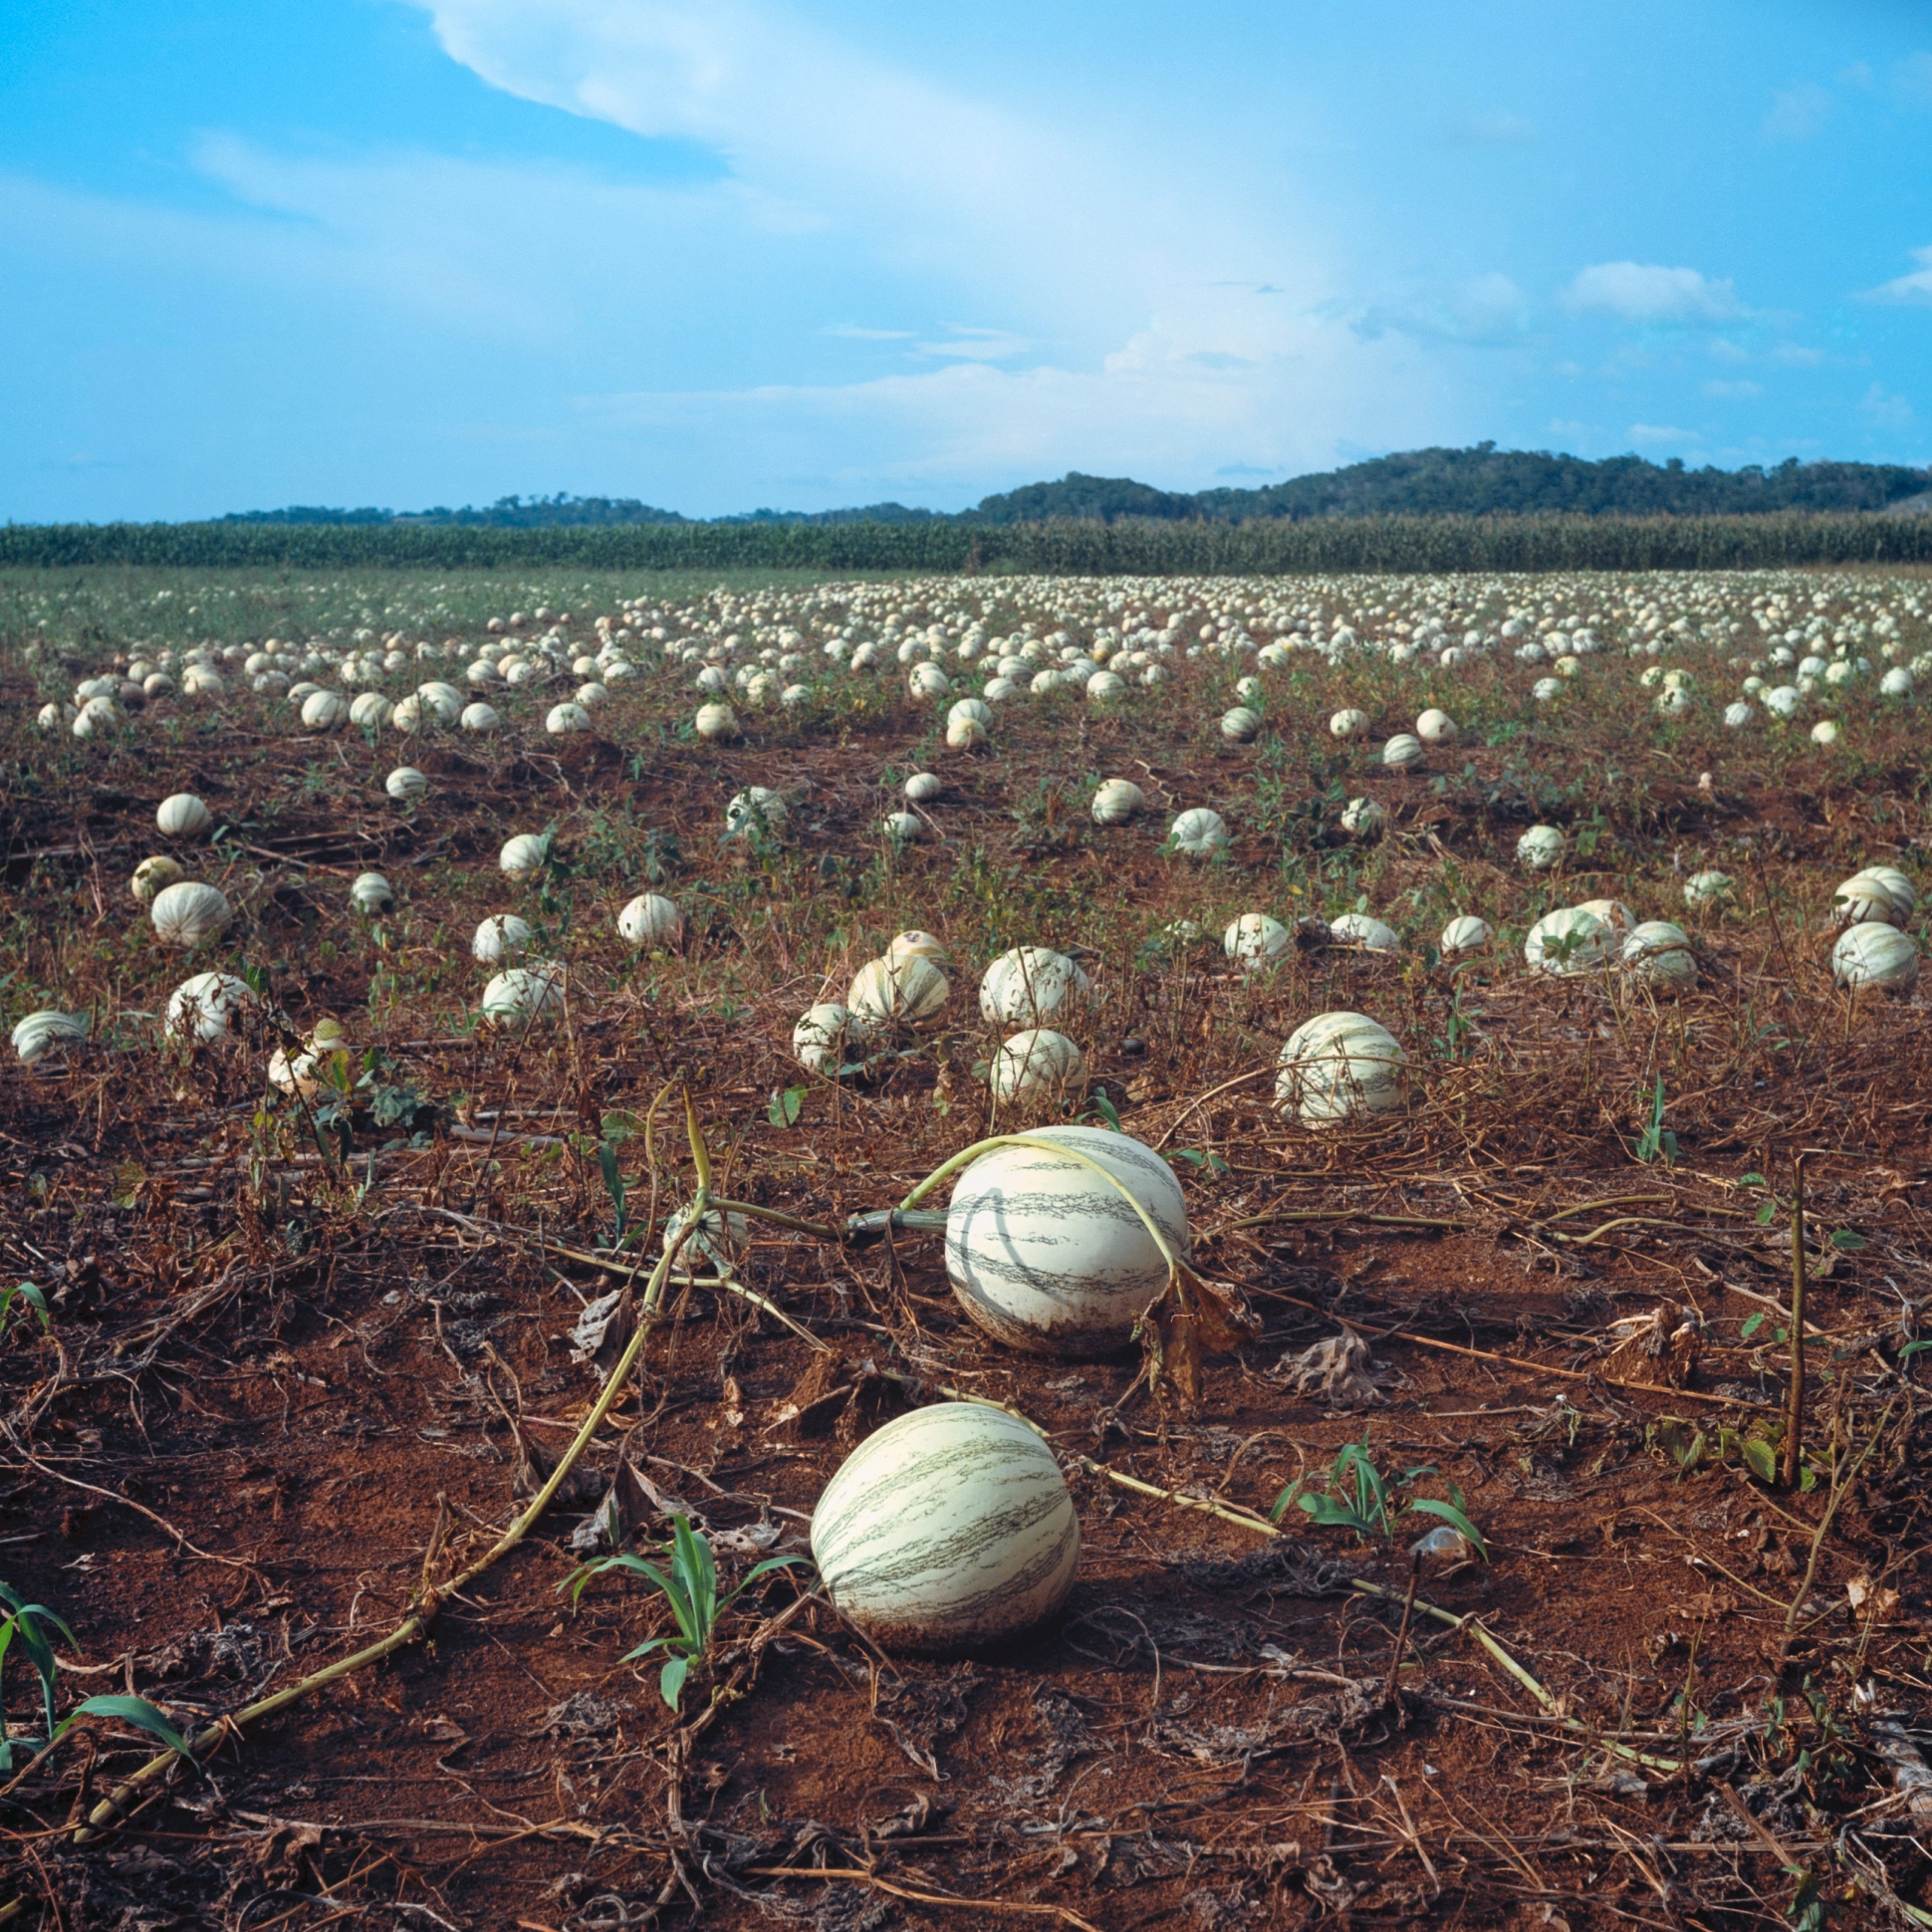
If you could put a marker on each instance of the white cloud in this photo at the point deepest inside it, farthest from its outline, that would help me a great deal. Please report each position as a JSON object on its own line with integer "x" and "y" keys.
{"x": 1661, "y": 433}
{"x": 1644, "y": 292}
{"x": 1914, "y": 288}
{"x": 1501, "y": 130}
{"x": 1129, "y": 278}
{"x": 1737, "y": 391}
{"x": 1797, "y": 114}
{"x": 1884, "y": 410}
{"x": 853, "y": 332}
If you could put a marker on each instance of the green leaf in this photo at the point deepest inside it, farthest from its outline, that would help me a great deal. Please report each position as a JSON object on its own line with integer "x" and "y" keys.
{"x": 1761, "y": 1458}
{"x": 671, "y": 1681}
{"x": 1332, "y": 1515}
{"x": 784, "y": 1107}
{"x": 1912, "y": 1349}
{"x": 1454, "y": 1516}
{"x": 1766, "y": 1214}
{"x": 1751, "y": 1325}
{"x": 1105, "y": 1108}
{"x": 1847, "y": 1240}
{"x": 139, "y": 1712}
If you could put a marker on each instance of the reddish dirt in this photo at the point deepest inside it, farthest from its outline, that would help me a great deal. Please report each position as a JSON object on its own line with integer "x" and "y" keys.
{"x": 260, "y": 1397}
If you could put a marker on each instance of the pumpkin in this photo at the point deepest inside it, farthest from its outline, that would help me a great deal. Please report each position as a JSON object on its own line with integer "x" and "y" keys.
{"x": 948, "y": 1529}
{"x": 405, "y": 782}
{"x": 524, "y": 856}
{"x": 826, "y": 1038}
{"x": 324, "y": 711}
{"x": 1048, "y": 1256}
{"x": 562, "y": 719}
{"x": 1707, "y": 888}
{"x": 1364, "y": 819}
{"x": 1255, "y": 940}
{"x": 923, "y": 787}
{"x": 372, "y": 893}
{"x": 1465, "y": 934}
{"x": 1658, "y": 954}
{"x": 924, "y": 945}
{"x": 1349, "y": 723}
{"x": 152, "y": 875}
{"x": 1403, "y": 753}
{"x": 477, "y": 717}
{"x": 715, "y": 721}
{"x": 1241, "y": 725}
{"x": 756, "y": 809}
{"x": 525, "y": 992}
{"x": 1358, "y": 929}
{"x": 1435, "y": 727}
{"x": 1881, "y": 892}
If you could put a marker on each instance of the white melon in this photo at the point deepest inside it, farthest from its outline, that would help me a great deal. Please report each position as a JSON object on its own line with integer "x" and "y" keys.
{"x": 1339, "y": 1065}
{"x": 1048, "y": 1256}
{"x": 1032, "y": 985}
{"x": 1875, "y": 955}
{"x": 948, "y": 1529}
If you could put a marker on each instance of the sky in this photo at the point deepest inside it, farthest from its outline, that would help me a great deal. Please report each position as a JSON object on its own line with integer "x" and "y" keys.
{"x": 729, "y": 254}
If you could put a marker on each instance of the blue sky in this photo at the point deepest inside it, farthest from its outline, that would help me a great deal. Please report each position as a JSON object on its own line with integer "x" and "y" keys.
{"x": 720, "y": 254}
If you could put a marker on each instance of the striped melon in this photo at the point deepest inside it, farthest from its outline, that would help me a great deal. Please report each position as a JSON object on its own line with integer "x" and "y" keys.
{"x": 1878, "y": 955}
{"x": 948, "y": 1529}
{"x": 1032, "y": 985}
{"x": 1657, "y": 954}
{"x": 1045, "y": 1255}
{"x": 1338, "y": 1065}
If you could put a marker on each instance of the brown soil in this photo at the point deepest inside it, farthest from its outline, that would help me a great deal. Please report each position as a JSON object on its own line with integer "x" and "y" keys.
{"x": 270, "y": 1407}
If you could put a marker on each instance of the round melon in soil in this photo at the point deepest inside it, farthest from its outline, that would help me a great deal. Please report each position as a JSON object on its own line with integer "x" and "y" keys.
{"x": 1046, "y": 1255}
{"x": 45, "y": 1031}
{"x": 182, "y": 815}
{"x": 1339, "y": 1065}
{"x": 1465, "y": 934}
{"x": 1568, "y": 941}
{"x": 1032, "y": 985}
{"x": 828, "y": 1037}
{"x": 949, "y": 1530}
{"x": 1658, "y": 954}
{"x": 651, "y": 920}
{"x": 1118, "y": 801}
{"x": 1875, "y": 955}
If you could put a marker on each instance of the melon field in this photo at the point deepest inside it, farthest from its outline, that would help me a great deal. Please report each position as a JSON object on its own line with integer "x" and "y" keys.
{"x": 528, "y": 1401}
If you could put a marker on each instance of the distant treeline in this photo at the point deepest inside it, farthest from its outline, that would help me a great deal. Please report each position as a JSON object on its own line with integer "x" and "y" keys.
{"x": 1063, "y": 546}
{"x": 1479, "y": 482}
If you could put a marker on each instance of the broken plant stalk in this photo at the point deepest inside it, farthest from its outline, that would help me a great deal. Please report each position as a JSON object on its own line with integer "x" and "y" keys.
{"x": 416, "y": 1624}
{"x": 1794, "y": 1412}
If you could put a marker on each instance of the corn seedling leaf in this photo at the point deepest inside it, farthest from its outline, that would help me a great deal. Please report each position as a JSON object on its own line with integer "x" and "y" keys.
{"x": 136, "y": 1711}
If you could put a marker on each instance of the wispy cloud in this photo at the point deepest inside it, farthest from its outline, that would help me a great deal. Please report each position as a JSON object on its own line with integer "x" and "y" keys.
{"x": 1659, "y": 435}
{"x": 1914, "y": 288}
{"x": 1885, "y": 410}
{"x": 852, "y": 332}
{"x": 1499, "y": 129}
{"x": 1646, "y": 292}
{"x": 1734, "y": 391}
{"x": 1797, "y": 114}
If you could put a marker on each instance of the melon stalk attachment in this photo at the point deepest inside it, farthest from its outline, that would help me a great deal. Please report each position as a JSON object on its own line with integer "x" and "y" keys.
{"x": 1190, "y": 1318}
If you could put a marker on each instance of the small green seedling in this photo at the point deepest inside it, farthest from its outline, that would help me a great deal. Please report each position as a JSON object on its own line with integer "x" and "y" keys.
{"x": 1656, "y": 1141}
{"x": 32, "y": 1626}
{"x": 1360, "y": 1498}
{"x": 692, "y": 1589}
